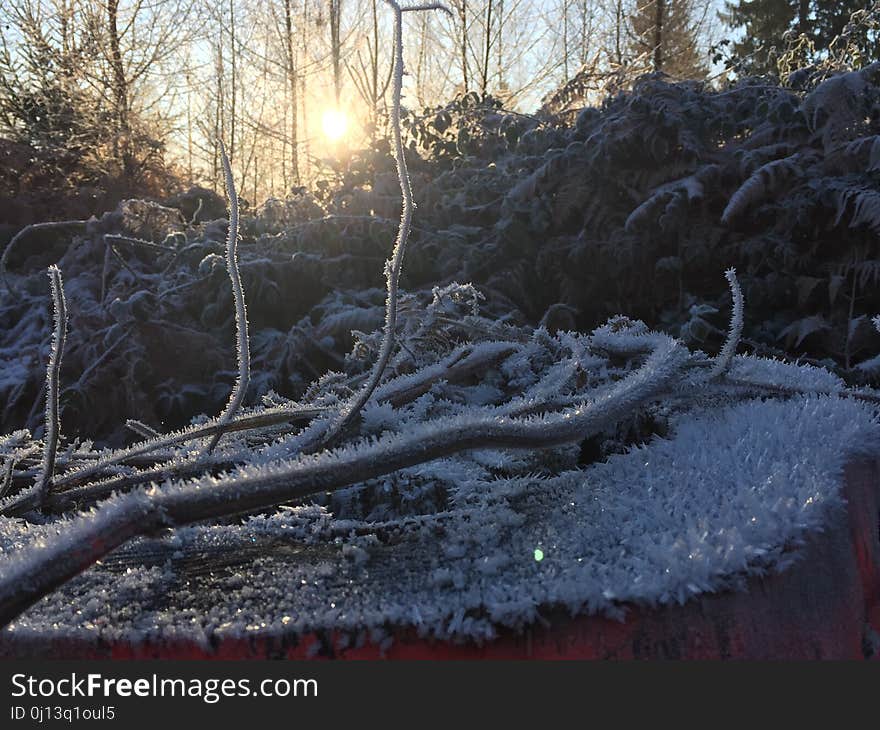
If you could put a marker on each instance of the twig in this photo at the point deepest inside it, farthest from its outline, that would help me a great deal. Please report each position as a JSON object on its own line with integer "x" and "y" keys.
{"x": 725, "y": 357}
{"x": 394, "y": 265}
{"x": 242, "y": 342}
{"x": 53, "y": 373}
{"x": 267, "y": 418}
{"x": 198, "y": 210}
{"x": 49, "y": 226}
{"x": 83, "y": 378}
{"x": 89, "y": 494}
{"x": 122, "y": 261}
{"x": 138, "y": 242}
{"x": 85, "y": 539}
{"x": 777, "y": 389}
{"x": 142, "y": 429}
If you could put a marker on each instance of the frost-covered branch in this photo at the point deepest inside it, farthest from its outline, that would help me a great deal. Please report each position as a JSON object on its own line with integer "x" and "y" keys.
{"x": 242, "y": 342}
{"x": 395, "y": 263}
{"x": 97, "y": 479}
{"x": 25, "y": 578}
{"x": 142, "y": 429}
{"x": 26, "y": 231}
{"x": 152, "y": 451}
{"x": 36, "y": 495}
{"x": 725, "y": 357}
{"x": 53, "y": 375}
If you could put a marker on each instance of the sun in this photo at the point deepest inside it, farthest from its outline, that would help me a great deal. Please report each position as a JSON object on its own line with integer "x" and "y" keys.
{"x": 335, "y": 124}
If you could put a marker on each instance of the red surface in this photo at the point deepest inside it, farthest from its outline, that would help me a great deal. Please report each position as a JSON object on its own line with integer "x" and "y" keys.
{"x": 818, "y": 608}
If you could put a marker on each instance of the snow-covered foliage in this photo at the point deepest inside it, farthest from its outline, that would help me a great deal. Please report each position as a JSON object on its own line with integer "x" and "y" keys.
{"x": 560, "y": 221}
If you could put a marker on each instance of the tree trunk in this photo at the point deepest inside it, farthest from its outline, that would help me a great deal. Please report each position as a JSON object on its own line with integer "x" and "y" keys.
{"x": 304, "y": 159}
{"x": 462, "y": 14}
{"x": 377, "y": 92}
{"x": 659, "y": 8}
{"x": 219, "y": 115}
{"x": 305, "y": 125}
{"x": 565, "y": 76}
{"x": 232, "y": 90}
{"x": 189, "y": 128}
{"x": 500, "y": 43}
{"x": 803, "y": 16}
{"x": 618, "y": 32}
{"x": 420, "y": 64}
{"x": 291, "y": 81}
{"x": 120, "y": 93}
{"x": 484, "y": 80}
{"x": 335, "y": 47}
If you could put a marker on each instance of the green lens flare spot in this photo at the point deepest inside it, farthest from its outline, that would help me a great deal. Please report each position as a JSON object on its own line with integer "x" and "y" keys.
{"x": 539, "y": 554}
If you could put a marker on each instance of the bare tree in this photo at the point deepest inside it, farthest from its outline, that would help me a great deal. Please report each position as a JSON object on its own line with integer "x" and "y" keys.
{"x": 106, "y": 57}
{"x": 370, "y": 85}
{"x": 336, "y": 47}
{"x": 257, "y": 73}
{"x": 120, "y": 91}
{"x": 487, "y": 47}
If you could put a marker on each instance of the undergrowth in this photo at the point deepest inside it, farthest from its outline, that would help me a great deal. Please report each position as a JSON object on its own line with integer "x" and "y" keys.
{"x": 635, "y": 206}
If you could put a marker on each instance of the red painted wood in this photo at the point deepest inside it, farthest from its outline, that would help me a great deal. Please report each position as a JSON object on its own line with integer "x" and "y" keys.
{"x": 817, "y": 609}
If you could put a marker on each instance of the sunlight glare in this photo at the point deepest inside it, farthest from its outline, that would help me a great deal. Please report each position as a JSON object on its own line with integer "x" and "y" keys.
{"x": 335, "y": 124}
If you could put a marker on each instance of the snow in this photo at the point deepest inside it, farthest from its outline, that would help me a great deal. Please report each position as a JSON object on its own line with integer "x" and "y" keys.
{"x": 728, "y": 494}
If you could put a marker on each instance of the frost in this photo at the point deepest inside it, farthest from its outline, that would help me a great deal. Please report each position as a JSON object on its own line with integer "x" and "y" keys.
{"x": 432, "y": 481}
{"x": 803, "y": 378}
{"x": 724, "y": 496}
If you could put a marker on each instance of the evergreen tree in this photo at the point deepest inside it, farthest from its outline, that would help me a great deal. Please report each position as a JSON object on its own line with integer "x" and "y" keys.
{"x": 764, "y": 24}
{"x": 664, "y": 38}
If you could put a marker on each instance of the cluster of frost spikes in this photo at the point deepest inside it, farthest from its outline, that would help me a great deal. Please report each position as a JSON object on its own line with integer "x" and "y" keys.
{"x": 725, "y": 357}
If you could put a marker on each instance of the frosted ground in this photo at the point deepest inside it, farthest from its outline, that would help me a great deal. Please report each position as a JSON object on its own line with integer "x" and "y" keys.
{"x": 730, "y": 491}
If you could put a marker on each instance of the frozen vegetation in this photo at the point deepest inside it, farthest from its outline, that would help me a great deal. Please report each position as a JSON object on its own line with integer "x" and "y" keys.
{"x": 451, "y": 548}
{"x": 459, "y": 469}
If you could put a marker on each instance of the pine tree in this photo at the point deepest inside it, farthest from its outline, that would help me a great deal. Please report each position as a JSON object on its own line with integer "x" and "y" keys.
{"x": 664, "y": 38}
{"x": 765, "y": 22}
